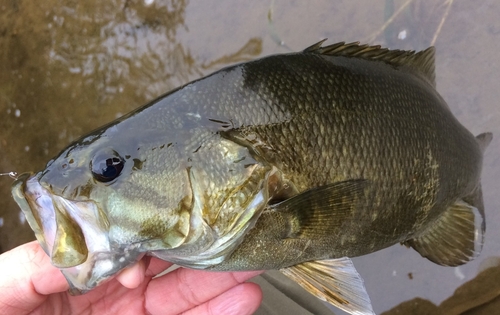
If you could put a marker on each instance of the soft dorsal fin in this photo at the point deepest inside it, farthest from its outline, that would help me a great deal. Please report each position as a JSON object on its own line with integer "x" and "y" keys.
{"x": 421, "y": 62}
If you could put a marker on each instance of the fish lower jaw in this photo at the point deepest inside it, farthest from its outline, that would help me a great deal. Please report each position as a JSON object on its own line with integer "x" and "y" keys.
{"x": 99, "y": 268}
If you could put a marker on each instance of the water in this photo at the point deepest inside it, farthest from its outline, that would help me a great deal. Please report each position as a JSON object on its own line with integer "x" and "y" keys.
{"x": 67, "y": 67}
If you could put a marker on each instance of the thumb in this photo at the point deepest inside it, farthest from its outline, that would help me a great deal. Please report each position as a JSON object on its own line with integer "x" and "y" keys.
{"x": 28, "y": 278}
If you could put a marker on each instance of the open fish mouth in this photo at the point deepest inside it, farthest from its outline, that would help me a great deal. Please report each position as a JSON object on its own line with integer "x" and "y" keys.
{"x": 74, "y": 234}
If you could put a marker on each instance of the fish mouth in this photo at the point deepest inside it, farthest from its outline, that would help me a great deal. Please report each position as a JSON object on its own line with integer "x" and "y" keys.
{"x": 74, "y": 234}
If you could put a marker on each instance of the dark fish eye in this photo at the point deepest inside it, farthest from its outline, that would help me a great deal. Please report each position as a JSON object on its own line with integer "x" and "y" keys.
{"x": 106, "y": 166}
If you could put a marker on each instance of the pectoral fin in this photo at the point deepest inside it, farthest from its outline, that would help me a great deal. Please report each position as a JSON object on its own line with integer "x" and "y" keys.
{"x": 456, "y": 237}
{"x": 335, "y": 281}
{"x": 320, "y": 210}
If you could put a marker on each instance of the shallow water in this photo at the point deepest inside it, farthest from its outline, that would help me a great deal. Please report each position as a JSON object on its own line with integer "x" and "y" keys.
{"x": 67, "y": 67}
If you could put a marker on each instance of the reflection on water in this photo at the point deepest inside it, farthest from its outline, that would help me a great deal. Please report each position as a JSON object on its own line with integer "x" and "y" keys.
{"x": 67, "y": 67}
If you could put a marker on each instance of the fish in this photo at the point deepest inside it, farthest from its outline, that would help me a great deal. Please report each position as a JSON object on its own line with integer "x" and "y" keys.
{"x": 294, "y": 162}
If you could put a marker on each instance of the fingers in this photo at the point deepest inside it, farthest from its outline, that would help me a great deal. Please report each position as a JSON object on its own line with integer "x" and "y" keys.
{"x": 131, "y": 277}
{"x": 45, "y": 278}
{"x": 184, "y": 289}
{"x": 243, "y": 299}
{"x": 28, "y": 278}
{"x": 156, "y": 266}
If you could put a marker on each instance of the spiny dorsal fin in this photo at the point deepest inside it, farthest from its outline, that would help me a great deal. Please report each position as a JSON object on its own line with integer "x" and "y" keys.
{"x": 421, "y": 62}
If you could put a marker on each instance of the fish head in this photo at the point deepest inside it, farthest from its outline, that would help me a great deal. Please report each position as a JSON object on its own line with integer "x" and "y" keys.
{"x": 95, "y": 207}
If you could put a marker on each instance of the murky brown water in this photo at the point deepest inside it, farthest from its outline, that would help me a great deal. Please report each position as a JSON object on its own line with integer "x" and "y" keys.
{"x": 67, "y": 67}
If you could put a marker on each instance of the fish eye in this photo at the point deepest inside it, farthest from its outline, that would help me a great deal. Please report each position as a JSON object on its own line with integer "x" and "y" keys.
{"x": 106, "y": 166}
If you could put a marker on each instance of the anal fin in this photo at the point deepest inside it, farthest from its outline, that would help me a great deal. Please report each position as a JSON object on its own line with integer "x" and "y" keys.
{"x": 455, "y": 238}
{"x": 335, "y": 281}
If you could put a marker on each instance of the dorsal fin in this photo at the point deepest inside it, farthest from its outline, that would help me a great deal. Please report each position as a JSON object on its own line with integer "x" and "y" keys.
{"x": 421, "y": 62}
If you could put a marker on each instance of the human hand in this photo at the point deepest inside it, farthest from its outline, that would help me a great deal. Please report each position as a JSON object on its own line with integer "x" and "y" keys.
{"x": 29, "y": 284}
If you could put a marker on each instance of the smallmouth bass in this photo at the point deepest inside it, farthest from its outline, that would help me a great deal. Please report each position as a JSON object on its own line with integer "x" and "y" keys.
{"x": 292, "y": 162}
